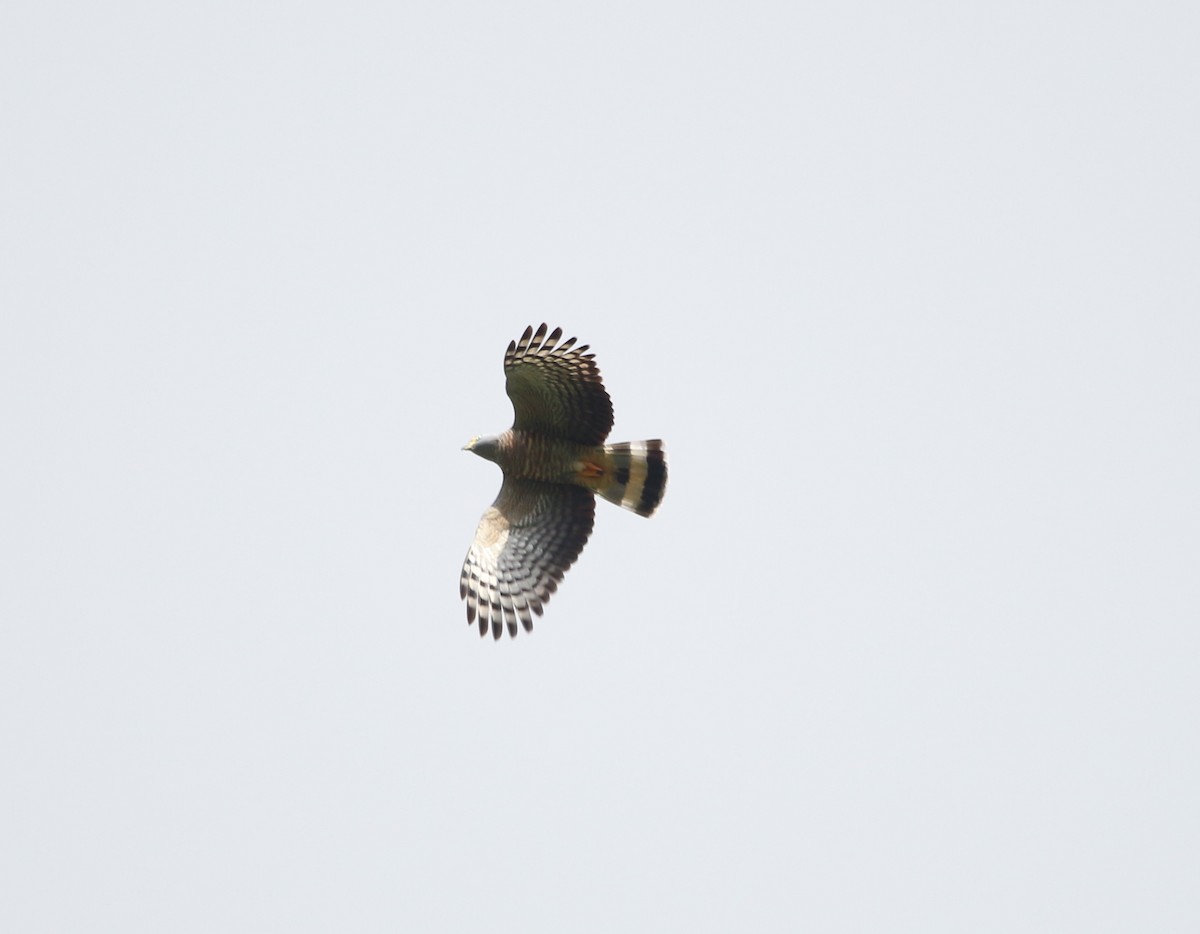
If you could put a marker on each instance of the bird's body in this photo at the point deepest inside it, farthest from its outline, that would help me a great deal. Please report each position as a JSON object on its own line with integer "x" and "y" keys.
{"x": 526, "y": 455}
{"x": 554, "y": 462}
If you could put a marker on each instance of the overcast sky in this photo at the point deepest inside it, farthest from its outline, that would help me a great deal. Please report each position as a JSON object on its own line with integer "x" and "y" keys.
{"x": 912, "y": 293}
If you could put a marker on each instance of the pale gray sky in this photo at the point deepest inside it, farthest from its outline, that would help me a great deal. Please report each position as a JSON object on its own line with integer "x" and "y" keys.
{"x": 911, "y": 292}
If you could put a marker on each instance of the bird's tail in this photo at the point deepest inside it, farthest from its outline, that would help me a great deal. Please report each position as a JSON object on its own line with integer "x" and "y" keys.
{"x": 634, "y": 475}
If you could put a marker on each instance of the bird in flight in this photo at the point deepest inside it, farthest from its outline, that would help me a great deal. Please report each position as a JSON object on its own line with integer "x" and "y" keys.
{"x": 555, "y": 462}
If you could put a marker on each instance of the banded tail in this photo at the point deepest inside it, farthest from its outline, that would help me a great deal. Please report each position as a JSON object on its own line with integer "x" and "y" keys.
{"x": 635, "y": 475}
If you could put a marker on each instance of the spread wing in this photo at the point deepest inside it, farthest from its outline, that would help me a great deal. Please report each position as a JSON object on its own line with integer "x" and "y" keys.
{"x": 525, "y": 542}
{"x": 556, "y": 388}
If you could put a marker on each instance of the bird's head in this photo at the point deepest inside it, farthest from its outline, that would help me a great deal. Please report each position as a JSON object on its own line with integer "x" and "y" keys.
{"x": 485, "y": 447}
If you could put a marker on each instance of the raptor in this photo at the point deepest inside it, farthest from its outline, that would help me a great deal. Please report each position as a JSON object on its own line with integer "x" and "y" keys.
{"x": 555, "y": 463}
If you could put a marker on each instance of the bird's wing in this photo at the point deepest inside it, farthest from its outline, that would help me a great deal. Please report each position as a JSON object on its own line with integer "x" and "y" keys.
{"x": 556, "y": 388}
{"x": 525, "y": 542}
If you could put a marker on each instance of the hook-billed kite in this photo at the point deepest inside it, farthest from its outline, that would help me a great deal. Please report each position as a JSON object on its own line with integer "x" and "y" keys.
{"x": 554, "y": 460}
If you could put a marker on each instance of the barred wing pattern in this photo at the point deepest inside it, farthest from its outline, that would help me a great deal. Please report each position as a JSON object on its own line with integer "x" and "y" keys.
{"x": 525, "y": 542}
{"x": 556, "y": 388}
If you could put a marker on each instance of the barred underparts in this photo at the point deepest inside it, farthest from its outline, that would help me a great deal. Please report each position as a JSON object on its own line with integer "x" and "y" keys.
{"x": 554, "y": 460}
